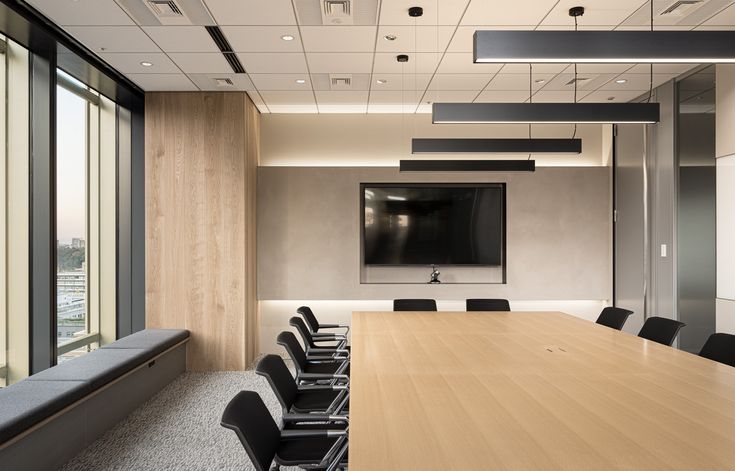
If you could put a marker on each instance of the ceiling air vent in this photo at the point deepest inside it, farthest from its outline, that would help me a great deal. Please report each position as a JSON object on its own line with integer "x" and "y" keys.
{"x": 224, "y": 46}
{"x": 680, "y": 7}
{"x": 224, "y": 82}
{"x": 340, "y": 82}
{"x": 337, "y": 12}
{"x": 578, "y": 81}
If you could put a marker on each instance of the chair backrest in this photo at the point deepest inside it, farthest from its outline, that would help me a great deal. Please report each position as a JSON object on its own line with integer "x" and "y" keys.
{"x": 414, "y": 305}
{"x": 309, "y": 316}
{"x": 247, "y": 415}
{"x": 277, "y": 373}
{"x": 488, "y": 305}
{"x": 289, "y": 341}
{"x": 300, "y": 326}
{"x": 661, "y": 330}
{"x": 614, "y": 317}
{"x": 721, "y": 348}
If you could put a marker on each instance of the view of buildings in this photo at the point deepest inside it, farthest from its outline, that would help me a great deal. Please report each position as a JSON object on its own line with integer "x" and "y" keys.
{"x": 71, "y": 289}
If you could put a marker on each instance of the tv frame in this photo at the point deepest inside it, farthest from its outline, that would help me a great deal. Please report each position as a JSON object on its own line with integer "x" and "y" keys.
{"x": 503, "y": 253}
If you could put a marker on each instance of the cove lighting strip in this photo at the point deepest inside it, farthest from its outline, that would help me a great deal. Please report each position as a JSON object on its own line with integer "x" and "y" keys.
{"x": 555, "y": 113}
{"x": 628, "y": 47}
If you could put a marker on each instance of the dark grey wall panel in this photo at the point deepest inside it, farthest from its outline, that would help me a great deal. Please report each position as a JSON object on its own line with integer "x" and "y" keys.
{"x": 137, "y": 216}
{"x": 43, "y": 220}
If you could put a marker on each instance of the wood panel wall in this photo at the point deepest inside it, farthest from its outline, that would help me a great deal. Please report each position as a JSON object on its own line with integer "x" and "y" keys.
{"x": 202, "y": 153}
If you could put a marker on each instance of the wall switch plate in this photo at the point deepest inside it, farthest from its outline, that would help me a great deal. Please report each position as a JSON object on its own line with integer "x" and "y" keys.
{"x": 663, "y": 250}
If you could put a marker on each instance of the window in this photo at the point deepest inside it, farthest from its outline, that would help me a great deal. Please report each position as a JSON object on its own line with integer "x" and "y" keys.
{"x": 77, "y": 154}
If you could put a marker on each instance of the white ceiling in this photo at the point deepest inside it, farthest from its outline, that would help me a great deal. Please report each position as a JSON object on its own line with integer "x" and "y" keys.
{"x": 439, "y": 45}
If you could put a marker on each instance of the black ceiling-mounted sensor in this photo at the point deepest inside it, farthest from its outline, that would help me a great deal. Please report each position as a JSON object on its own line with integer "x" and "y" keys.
{"x": 415, "y": 12}
{"x": 402, "y": 58}
{"x": 576, "y": 11}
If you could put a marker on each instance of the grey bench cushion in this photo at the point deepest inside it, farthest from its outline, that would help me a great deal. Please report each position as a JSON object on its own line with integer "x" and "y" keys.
{"x": 26, "y": 403}
{"x": 98, "y": 367}
{"x": 154, "y": 341}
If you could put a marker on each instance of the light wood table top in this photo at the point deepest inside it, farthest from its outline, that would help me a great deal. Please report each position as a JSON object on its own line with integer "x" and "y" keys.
{"x": 541, "y": 391}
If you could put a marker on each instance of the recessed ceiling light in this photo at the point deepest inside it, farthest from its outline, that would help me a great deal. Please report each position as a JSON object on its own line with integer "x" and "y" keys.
{"x": 621, "y": 81}
{"x": 540, "y": 81}
{"x": 300, "y": 81}
{"x": 381, "y": 81}
{"x": 390, "y": 37}
{"x": 146, "y": 64}
{"x": 287, "y": 37}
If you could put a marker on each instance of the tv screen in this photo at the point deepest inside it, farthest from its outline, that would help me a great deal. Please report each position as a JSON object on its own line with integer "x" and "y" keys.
{"x": 457, "y": 224}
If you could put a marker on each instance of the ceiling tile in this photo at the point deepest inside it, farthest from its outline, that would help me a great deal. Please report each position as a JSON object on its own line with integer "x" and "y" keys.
{"x": 520, "y": 12}
{"x": 398, "y": 82}
{"x": 687, "y": 16}
{"x": 208, "y": 82}
{"x": 276, "y": 82}
{"x": 414, "y": 38}
{"x": 601, "y": 13}
{"x": 436, "y": 12}
{"x": 463, "y": 40}
{"x": 358, "y": 82}
{"x": 443, "y": 96}
{"x": 163, "y": 82}
{"x": 342, "y": 101}
{"x": 393, "y": 101}
{"x": 603, "y": 96}
{"x": 585, "y": 82}
{"x": 462, "y": 63}
{"x": 494, "y": 96}
{"x": 725, "y": 17}
{"x": 182, "y": 38}
{"x": 273, "y": 63}
{"x": 252, "y": 12}
{"x": 113, "y": 38}
{"x": 599, "y": 68}
{"x": 290, "y": 101}
{"x": 338, "y": 38}
{"x": 537, "y": 68}
{"x": 83, "y": 12}
{"x": 459, "y": 82}
{"x": 201, "y": 62}
{"x": 555, "y": 96}
{"x": 130, "y": 63}
{"x": 518, "y": 82}
{"x": 325, "y": 62}
{"x": 263, "y": 38}
{"x": 420, "y": 63}
{"x": 661, "y": 68}
{"x": 639, "y": 82}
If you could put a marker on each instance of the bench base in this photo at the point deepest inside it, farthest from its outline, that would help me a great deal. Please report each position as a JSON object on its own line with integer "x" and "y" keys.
{"x": 56, "y": 440}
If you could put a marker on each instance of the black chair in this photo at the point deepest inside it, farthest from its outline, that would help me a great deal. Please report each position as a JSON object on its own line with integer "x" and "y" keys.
{"x": 720, "y": 348}
{"x": 314, "y": 325}
{"x": 614, "y": 317}
{"x": 488, "y": 305}
{"x": 315, "y": 345}
{"x": 330, "y": 399}
{"x": 249, "y": 418}
{"x": 414, "y": 305}
{"x": 312, "y": 368}
{"x": 660, "y": 330}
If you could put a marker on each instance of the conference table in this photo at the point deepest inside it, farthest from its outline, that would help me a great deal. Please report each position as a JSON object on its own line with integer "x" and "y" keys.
{"x": 530, "y": 390}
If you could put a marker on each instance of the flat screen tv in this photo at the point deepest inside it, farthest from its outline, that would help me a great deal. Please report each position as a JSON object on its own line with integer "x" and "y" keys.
{"x": 433, "y": 224}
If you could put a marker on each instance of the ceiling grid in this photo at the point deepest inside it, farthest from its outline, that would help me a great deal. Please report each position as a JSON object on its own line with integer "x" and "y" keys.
{"x": 294, "y": 76}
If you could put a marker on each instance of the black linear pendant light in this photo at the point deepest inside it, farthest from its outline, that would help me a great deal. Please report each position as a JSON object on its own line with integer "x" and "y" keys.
{"x": 498, "y": 146}
{"x": 468, "y": 165}
{"x": 628, "y": 47}
{"x": 606, "y": 113}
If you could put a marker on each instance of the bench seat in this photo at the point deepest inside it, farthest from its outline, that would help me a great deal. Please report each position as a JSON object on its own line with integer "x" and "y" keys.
{"x": 34, "y": 399}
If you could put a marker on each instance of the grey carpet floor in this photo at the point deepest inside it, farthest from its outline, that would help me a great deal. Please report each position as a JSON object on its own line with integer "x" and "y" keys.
{"x": 178, "y": 429}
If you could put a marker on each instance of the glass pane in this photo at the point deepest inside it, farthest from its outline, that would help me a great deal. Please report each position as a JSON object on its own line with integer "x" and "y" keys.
{"x": 71, "y": 218}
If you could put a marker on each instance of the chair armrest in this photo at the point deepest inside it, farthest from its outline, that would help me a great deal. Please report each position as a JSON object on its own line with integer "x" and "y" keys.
{"x": 288, "y": 434}
{"x": 324, "y": 376}
{"x": 328, "y": 336}
{"x": 315, "y": 417}
{"x": 324, "y": 387}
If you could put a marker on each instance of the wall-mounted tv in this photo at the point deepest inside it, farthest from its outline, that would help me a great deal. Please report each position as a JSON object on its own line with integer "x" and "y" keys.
{"x": 433, "y": 224}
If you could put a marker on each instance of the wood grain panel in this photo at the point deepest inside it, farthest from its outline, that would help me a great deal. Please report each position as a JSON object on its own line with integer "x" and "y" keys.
{"x": 546, "y": 391}
{"x": 201, "y": 153}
